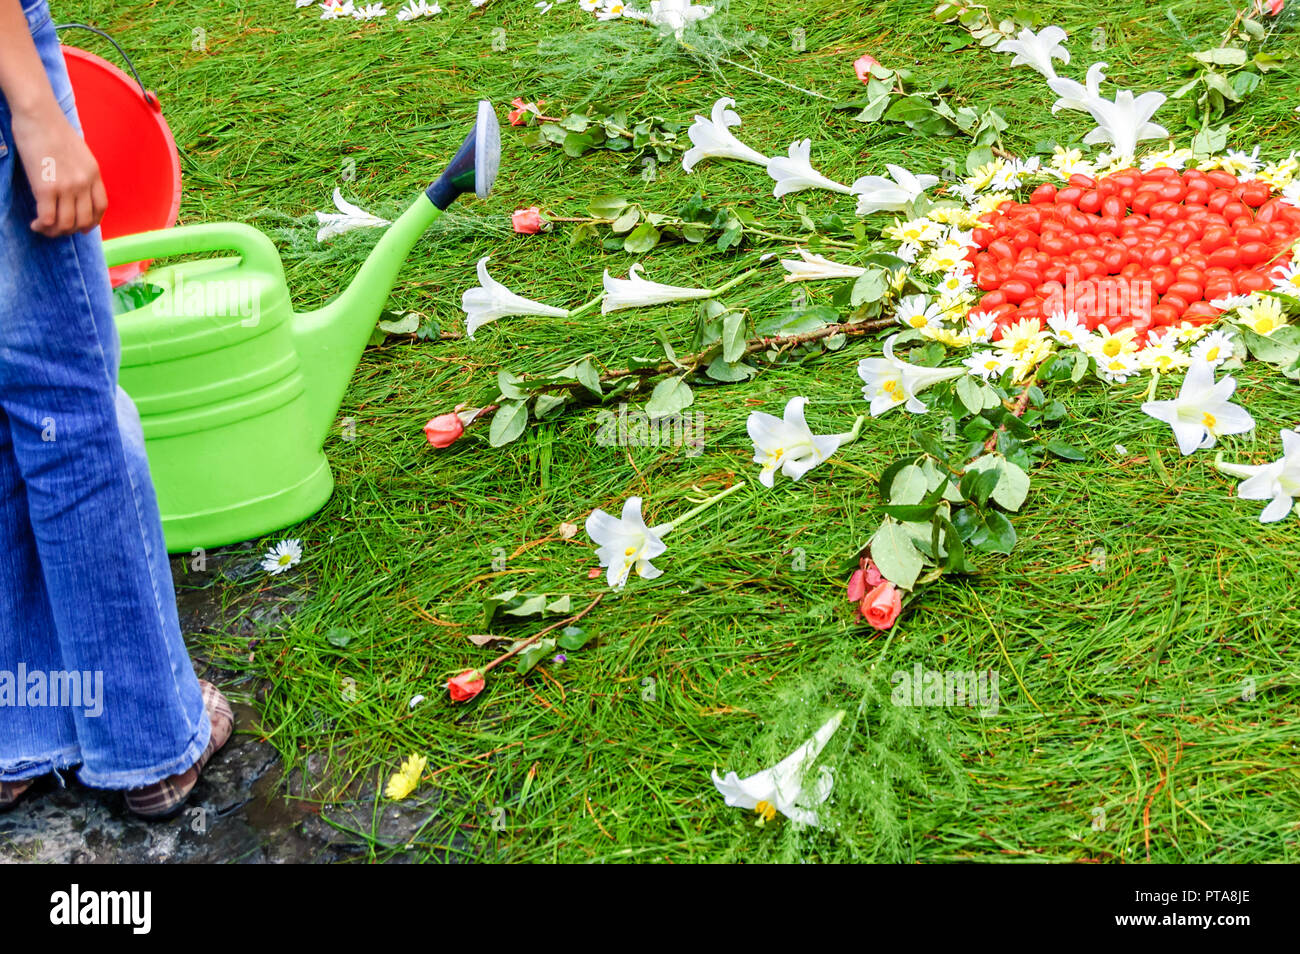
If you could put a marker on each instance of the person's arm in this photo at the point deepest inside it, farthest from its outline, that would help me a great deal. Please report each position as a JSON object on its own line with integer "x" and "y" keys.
{"x": 62, "y": 172}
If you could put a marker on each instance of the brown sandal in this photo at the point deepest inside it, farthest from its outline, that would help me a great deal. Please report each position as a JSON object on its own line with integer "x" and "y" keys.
{"x": 164, "y": 799}
{"x": 10, "y": 792}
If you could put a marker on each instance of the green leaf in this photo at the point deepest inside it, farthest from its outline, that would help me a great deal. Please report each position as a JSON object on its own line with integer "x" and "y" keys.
{"x": 909, "y": 486}
{"x": 721, "y": 370}
{"x": 1066, "y": 451}
{"x": 588, "y": 377}
{"x": 572, "y": 637}
{"x": 896, "y": 555}
{"x": 548, "y": 405}
{"x": 1281, "y": 348}
{"x": 1013, "y": 483}
{"x": 670, "y": 396}
{"x": 997, "y": 536}
{"x": 509, "y": 385}
{"x": 530, "y": 657}
{"x": 910, "y": 513}
{"x": 339, "y": 637}
{"x": 642, "y": 238}
{"x": 607, "y": 206}
{"x": 798, "y": 321}
{"x": 870, "y": 286}
{"x": 508, "y": 423}
{"x": 733, "y": 336}
{"x": 970, "y": 393}
{"x": 628, "y": 218}
{"x": 1223, "y": 56}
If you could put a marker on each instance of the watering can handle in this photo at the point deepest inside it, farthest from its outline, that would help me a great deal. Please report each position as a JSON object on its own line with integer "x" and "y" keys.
{"x": 253, "y": 247}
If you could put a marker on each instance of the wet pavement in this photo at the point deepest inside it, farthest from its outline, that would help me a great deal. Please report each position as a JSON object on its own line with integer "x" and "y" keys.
{"x": 243, "y": 809}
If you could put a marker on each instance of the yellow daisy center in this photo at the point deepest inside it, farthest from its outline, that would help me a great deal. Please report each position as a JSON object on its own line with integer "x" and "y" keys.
{"x": 1212, "y": 354}
{"x": 1112, "y": 347}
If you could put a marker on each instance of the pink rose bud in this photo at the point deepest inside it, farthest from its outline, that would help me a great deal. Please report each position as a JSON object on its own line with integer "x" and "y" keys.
{"x": 857, "y": 586}
{"x": 518, "y": 115}
{"x": 862, "y": 66}
{"x": 443, "y": 430}
{"x": 1275, "y": 7}
{"x": 593, "y": 573}
{"x": 466, "y": 686}
{"x": 873, "y": 574}
{"x": 527, "y": 221}
{"x": 881, "y": 606}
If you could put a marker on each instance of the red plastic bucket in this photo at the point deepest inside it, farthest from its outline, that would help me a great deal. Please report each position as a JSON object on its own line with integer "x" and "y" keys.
{"x": 125, "y": 130}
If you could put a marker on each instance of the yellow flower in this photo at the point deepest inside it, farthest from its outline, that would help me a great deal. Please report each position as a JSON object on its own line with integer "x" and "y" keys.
{"x": 1107, "y": 345}
{"x": 407, "y": 778}
{"x": 1263, "y": 317}
{"x": 981, "y": 177}
{"x": 946, "y": 337}
{"x": 989, "y": 202}
{"x": 1282, "y": 173}
{"x": 1066, "y": 162}
{"x": 1022, "y": 339}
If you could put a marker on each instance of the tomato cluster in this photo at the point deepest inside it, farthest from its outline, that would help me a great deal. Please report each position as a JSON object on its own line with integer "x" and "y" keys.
{"x": 1132, "y": 249}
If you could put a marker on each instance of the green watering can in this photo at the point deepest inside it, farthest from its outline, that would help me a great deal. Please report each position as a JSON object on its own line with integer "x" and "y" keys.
{"x": 236, "y": 392}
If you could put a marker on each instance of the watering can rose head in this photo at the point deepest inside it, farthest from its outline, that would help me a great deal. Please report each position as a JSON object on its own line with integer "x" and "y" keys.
{"x": 239, "y": 349}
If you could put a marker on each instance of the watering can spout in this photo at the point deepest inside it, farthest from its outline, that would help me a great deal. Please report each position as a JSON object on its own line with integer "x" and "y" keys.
{"x": 330, "y": 340}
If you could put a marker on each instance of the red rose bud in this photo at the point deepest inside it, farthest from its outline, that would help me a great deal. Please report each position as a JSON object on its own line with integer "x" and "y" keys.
{"x": 466, "y": 686}
{"x": 881, "y": 606}
{"x": 443, "y": 430}
{"x": 1275, "y": 7}
{"x": 862, "y": 66}
{"x": 527, "y": 221}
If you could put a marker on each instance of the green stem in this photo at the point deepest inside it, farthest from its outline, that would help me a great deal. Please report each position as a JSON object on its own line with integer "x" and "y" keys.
{"x": 575, "y": 312}
{"x": 727, "y": 286}
{"x": 801, "y": 242}
{"x": 852, "y": 435}
{"x": 665, "y": 528}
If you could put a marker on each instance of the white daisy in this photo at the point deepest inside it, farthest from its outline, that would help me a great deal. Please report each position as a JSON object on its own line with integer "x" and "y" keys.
{"x": 1214, "y": 349}
{"x": 987, "y": 364}
{"x": 282, "y": 556}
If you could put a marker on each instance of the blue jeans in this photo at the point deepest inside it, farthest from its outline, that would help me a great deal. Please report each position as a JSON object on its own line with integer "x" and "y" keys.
{"x": 85, "y": 587}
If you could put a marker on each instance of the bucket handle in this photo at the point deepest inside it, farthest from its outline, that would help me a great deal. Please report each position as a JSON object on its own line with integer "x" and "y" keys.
{"x": 149, "y": 97}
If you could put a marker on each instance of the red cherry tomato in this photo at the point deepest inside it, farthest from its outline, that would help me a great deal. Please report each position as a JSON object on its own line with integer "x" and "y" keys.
{"x": 1044, "y": 194}
{"x": 1070, "y": 195}
{"x": 1255, "y": 194}
{"x": 1228, "y": 256}
{"x": 1161, "y": 278}
{"x": 1248, "y": 282}
{"x": 1017, "y": 290}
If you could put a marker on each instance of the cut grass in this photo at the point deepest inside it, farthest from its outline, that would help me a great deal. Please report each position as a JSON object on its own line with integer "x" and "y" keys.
{"x": 1148, "y": 707}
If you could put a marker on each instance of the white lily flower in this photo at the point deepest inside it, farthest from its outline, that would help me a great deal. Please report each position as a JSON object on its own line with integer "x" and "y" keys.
{"x": 712, "y": 138}
{"x": 1201, "y": 412}
{"x": 785, "y": 787}
{"x": 1037, "y": 50}
{"x": 677, "y": 15}
{"x": 880, "y": 194}
{"x": 1277, "y": 482}
{"x": 626, "y": 542}
{"x": 891, "y": 382}
{"x": 1123, "y": 122}
{"x": 1075, "y": 95}
{"x": 794, "y": 172}
{"x": 347, "y": 218}
{"x": 637, "y": 292}
{"x": 492, "y": 300}
{"x": 788, "y": 444}
{"x": 817, "y": 266}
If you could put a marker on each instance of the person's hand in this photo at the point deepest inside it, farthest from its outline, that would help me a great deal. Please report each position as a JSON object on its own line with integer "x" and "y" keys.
{"x": 63, "y": 174}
